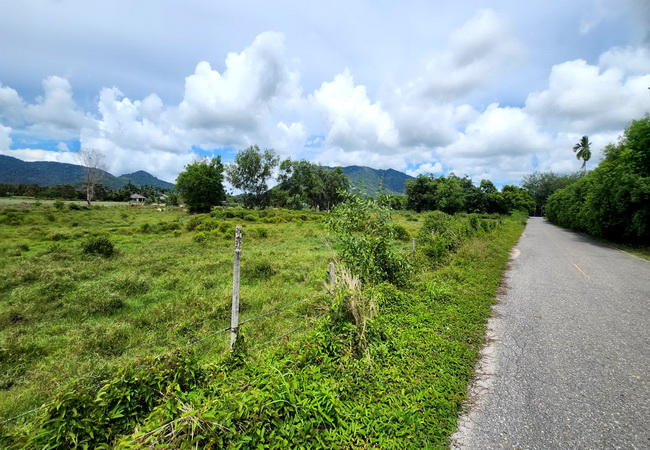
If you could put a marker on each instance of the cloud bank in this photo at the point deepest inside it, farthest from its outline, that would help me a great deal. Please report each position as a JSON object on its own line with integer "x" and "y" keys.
{"x": 426, "y": 122}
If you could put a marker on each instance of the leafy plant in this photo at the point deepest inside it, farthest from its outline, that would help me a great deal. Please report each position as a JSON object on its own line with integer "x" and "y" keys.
{"x": 363, "y": 232}
{"x": 99, "y": 245}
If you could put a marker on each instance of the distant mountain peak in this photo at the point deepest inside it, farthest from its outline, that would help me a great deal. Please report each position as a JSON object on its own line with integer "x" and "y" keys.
{"x": 48, "y": 173}
{"x": 371, "y": 181}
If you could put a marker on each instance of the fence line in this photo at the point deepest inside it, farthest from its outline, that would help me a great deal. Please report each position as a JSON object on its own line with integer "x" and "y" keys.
{"x": 277, "y": 310}
{"x": 235, "y": 324}
{"x": 264, "y": 344}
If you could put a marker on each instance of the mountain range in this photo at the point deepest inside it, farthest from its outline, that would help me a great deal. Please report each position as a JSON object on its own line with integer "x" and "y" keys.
{"x": 45, "y": 173}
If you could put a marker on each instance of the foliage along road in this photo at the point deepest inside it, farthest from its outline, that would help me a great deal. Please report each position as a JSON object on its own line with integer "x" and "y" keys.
{"x": 568, "y": 363}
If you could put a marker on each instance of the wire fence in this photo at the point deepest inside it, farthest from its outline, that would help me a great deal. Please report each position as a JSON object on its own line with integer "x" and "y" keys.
{"x": 258, "y": 348}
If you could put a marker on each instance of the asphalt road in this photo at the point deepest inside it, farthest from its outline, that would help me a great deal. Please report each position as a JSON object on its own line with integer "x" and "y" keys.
{"x": 567, "y": 365}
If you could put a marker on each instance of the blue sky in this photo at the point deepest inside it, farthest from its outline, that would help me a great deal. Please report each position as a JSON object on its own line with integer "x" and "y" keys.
{"x": 491, "y": 90}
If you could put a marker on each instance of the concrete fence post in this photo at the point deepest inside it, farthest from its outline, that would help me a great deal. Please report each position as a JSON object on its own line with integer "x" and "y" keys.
{"x": 234, "y": 318}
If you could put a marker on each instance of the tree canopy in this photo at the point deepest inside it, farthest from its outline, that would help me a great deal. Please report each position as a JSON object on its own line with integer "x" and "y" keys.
{"x": 452, "y": 194}
{"x": 303, "y": 183}
{"x": 613, "y": 200}
{"x": 250, "y": 173}
{"x": 201, "y": 185}
{"x": 542, "y": 184}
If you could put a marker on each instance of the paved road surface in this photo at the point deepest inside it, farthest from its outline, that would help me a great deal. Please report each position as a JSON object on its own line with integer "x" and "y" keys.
{"x": 568, "y": 366}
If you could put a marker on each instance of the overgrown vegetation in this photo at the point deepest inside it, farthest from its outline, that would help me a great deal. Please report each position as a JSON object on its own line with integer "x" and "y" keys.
{"x": 383, "y": 361}
{"x": 613, "y": 200}
{"x": 452, "y": 194}
{"x": 364, "y": 233}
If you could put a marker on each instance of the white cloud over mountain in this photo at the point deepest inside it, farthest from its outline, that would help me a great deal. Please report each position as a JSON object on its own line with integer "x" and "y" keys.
{"x": 432, "y": 117}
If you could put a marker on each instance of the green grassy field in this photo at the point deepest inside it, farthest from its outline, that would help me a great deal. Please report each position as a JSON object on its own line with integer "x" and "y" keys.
{"x": 70, "y": 319}
{"x": 65, "y": 314}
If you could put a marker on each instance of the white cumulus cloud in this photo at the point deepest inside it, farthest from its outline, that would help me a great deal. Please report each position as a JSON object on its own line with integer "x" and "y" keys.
{"x": 225, "y": 106}
{"x": 11, "y": 106}
{"x": 584, "y": 98}
{"x": 353, "y": 121}
{"x": 55, "y": 113}
{"x": 5, "y": 139}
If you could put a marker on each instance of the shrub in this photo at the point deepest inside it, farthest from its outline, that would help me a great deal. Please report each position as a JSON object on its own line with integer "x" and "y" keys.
{"x": 400, "y": 233}
{"x": 146, "y": 228}
{"x": 201, "y": 237}
{"x": 59, "y": 237}
{"x": 74, "y": 207}
{"x": 201, "y": 222}
{"x": 12, "y": 217}
{"x": 441, "y": 234}
{"x": 58, "y": 204}
{"x": 98, "y": 245}
{"x": 363, "y": 231}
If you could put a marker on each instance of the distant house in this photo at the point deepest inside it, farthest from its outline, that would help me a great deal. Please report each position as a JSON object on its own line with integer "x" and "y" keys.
{"x": 138, "y": 198}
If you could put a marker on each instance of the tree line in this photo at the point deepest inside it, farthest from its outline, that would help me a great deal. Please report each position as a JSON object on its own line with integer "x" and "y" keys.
{"x": 452, "y": 194}
{"x": 613, "y": 200}
{"x": 301, "y": 184}
{"x": 70, "y": 192}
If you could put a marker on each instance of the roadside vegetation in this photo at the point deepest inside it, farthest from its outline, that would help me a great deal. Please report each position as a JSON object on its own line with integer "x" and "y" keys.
{"x": 102, "y": 308}
{"x": 613, "y": 200}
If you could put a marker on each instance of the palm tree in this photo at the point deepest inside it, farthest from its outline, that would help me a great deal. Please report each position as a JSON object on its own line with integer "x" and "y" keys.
{"x": 584, "y": 153}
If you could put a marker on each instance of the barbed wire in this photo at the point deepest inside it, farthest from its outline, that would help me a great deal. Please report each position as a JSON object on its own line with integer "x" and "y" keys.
{"x": 283, "y": 308}
{"x": 31, "y": 411}
{"x": 191, "y": 344}
{"x": 264, "y": 344}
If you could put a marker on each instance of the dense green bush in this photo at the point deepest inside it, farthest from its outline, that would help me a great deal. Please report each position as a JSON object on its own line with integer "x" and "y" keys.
{"x": 613, "y": 200}
{"x": 363, "y": 232}
{"x": 442, "y": 233}
{"x": 12, "y": 217}
{"x": 98, "y": 245}
{"x": 88, "y": 417}
{"x": 400, "y": 233}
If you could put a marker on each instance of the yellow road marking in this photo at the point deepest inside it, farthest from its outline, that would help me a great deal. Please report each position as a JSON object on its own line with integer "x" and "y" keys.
{"x": 579, "y": 269}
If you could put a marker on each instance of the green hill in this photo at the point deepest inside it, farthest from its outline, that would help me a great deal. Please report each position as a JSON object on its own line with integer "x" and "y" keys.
{"x": 370, "y": 181}
{"x": 47, "y": 173}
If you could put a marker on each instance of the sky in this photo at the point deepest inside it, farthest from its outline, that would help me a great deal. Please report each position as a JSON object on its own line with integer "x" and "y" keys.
{"x": 487, "y": 89}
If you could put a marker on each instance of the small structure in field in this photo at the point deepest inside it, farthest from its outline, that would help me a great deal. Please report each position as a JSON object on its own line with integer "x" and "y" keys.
{"x": 137, "y": 198}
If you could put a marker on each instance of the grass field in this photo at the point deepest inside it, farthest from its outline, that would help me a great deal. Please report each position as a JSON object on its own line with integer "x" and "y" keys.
{"x": 67, "y": 316}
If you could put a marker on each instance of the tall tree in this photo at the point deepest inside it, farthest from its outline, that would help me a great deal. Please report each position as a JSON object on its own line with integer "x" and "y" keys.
{"x": 306, "y": 183}
{"x": 250, "y": 173}
{"x": 94, "y": 169}
{"x": 201, "y": 185}
{"x": 583, "y": 151}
